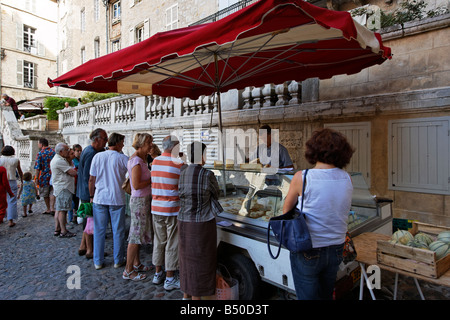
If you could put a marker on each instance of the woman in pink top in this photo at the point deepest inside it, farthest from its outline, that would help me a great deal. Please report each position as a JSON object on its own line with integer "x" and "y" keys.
{"x": 141, "y": 192}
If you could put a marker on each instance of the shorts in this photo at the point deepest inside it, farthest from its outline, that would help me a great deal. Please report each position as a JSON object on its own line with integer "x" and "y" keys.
{"x": 46, "y": 191}
{"x": 63, "y": 201}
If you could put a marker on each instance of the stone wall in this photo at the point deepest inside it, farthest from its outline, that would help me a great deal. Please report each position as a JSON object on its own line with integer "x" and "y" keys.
{"x": 414, "y": 84}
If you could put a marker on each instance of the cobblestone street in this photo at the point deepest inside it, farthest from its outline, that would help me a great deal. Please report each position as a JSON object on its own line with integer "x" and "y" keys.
{"x": 35, "y": 265}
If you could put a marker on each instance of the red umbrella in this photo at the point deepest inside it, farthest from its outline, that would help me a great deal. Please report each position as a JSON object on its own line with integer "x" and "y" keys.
{"x": 271, "y": 41}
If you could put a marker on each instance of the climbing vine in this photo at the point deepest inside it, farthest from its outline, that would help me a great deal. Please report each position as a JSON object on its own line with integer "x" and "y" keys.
{"x": 408, "y": 10}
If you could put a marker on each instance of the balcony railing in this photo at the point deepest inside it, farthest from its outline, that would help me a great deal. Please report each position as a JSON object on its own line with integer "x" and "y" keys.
{"x": 225, "y": 12}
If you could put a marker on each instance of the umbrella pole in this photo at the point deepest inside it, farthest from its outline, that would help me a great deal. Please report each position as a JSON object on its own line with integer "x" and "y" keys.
{"x": 219, "y": 110}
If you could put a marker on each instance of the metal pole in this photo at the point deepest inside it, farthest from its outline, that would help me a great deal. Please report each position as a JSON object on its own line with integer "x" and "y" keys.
{"x": 219, "y": 110}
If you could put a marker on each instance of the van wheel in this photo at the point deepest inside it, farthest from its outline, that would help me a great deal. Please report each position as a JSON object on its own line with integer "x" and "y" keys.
{"x": 243, "y": 270}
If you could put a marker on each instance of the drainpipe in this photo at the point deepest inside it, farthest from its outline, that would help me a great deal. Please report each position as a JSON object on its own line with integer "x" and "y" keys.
{"x": 106, "y": 4}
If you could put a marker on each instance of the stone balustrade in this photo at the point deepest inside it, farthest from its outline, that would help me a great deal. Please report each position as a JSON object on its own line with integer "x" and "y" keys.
{"x": 38, "y": 123}
{"x": 127, "y": 110}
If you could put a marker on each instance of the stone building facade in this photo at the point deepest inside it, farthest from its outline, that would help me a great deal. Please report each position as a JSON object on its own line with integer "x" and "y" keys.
{"x": 28, "y": 48}
{"x": 397, "y": 115}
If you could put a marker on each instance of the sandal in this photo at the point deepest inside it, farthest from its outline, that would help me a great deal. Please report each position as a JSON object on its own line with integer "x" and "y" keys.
{"x": 141, "y": 268}
{"x": 68, "y": 234}
{"x": 56, "y": 233}
{"x": 126, "y": 275}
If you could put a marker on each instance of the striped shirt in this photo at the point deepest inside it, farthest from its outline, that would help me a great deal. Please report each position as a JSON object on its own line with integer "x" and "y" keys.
{"x": 165, "y": 175}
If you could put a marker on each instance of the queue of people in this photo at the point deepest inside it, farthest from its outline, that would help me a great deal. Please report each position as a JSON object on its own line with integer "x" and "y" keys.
{"x": 173, "y": 205}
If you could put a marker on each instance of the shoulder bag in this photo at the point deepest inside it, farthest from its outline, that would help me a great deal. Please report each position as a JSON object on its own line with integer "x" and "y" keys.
{"x": 290, "y": 229}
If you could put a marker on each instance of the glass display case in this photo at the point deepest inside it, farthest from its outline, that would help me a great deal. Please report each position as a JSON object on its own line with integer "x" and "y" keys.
{"x": 252, "y": 197}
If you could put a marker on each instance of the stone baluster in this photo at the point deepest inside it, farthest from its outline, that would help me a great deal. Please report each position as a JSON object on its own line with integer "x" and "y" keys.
{"x": 119, "y": 111}
{"x": 257, "y": 97}
{"x": 201, "y": 106}
{"x": 159, "y": 111}
{"x": 207, "y": 103}
{"x": 282, "y": 93}
{"x": 153, "y": 111}
{"x": 133, "y": 109}
{"x": 148, "y": 107}
{"x": 266, "y": 94}
{"x": 294, "y": 91}
{"x": 171, "y": 107}
{"x": 247, "y": 96}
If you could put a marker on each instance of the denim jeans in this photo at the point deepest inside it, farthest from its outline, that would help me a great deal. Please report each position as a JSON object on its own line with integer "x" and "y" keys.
{"x": 314, "y": 272}
{"x": 101, "y": 215}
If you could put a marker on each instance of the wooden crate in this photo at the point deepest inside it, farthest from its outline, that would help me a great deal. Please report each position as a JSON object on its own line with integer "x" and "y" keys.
{"x": 415, "y": 260}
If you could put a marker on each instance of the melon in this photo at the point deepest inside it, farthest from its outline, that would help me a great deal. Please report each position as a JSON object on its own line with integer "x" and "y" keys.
{"x": 417, "y": 244}
{"x": 444, "y": 236}
{"x": 441, "y": 248}
{"x": 423, "y": 237}
{"x": 402, "y": 236}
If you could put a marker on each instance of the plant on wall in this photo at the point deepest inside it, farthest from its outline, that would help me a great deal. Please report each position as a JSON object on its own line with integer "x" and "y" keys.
{"x": 94, "y": 96}
{"x": 53, "y": 104}
{"x": 408, "y": 10}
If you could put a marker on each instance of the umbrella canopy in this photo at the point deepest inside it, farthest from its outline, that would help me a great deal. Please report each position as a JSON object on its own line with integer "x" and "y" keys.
{"x": 271, "y": 41}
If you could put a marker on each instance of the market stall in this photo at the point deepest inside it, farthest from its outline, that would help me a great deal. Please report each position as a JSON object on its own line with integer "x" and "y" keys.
{"x": 250, "y": 198}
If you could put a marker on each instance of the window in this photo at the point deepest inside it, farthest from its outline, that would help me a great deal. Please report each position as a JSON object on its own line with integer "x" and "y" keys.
{"x": 96, "y": 10}
{"x": 83, "y": 55}
{"x": 83, "y": 20}
{"x": 139, "y": 34}
{"x": 419, "y": 155}
{"x": 29, "y": 39}
{"x": 96, "y": 47}
{"x": 115, "y": 45}
{"x": 172, "y": 17}
{"x": 28, "y": 75}
{"x": 116, "y": 11}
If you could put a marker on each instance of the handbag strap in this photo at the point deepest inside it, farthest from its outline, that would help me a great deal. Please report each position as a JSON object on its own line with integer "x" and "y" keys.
{"x": 282, "y": 224}
{"x": 268, "y": 242}
{"x": 303, "y": 190}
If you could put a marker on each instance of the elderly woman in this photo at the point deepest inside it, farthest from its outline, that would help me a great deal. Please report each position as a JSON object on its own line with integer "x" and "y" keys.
{"x": 328, "y": 197}
{"x": 12, "y": 166}
{"x": 199, "y": 193}
{"x": 141, "y": 192}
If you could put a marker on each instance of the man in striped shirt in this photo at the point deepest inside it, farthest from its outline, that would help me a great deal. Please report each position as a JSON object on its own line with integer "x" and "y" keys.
{"x": 165, "y": 207}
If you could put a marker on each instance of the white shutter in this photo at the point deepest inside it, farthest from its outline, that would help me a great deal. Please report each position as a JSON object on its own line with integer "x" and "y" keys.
{"x": 40, "y": 48}
{"x": 19, "y": 36}
{"x": 419, "y": 155}
{"x": 146, "y": 28}
{"x": 35, "y": 76}
{"x": 20, "y": 73}
{"x": 131, "y": 36}
{"x": 358, "y": 135}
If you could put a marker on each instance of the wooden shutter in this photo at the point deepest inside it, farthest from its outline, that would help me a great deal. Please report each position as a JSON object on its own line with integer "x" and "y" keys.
{"x": 19, "y": 73}
{"x": 419, "y": 155}
{"x": 146, "y": 28}
{"x": 358, "y": 135}
{"x": 19, "y": 36}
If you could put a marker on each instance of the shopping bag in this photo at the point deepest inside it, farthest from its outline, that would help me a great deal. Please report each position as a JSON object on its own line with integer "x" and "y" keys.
{"x": 290, "y": 229}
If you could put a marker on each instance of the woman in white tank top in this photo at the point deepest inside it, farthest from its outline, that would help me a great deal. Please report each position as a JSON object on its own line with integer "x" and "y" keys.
{"x": 328, "y": 196}
{"x": 12, "y": 164}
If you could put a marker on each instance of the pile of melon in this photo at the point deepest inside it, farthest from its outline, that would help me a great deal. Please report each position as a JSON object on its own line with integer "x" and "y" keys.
{"x": 439, "y": 244}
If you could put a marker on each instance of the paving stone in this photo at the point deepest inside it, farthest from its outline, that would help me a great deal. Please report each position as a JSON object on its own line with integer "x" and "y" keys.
{"x": 35, "y": 265}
